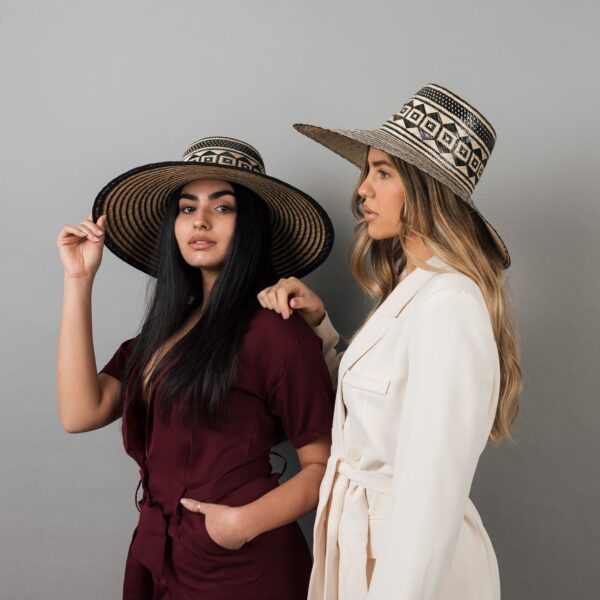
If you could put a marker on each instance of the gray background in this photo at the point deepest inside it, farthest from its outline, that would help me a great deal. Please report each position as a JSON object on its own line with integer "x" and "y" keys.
{"x": 90, "y": 89}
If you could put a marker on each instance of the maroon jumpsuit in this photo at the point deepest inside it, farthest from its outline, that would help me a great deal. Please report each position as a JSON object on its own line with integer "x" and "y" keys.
{"x": 282, "y": 387}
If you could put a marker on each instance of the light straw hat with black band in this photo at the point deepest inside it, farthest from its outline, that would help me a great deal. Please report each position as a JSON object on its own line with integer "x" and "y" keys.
{"x": 437, "y": 132}
{"x": 135, "y": 204}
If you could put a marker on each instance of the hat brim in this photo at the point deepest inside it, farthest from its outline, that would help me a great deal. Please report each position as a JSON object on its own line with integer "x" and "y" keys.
{"x": 135, "y": 204}
{"x": 354, "y": 144}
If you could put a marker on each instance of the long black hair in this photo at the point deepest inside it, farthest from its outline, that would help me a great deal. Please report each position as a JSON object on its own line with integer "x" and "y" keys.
{"x": 198, "y": 372}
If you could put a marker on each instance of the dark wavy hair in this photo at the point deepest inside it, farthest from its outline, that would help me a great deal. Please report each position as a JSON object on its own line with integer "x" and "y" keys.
{"x": 198, "y": 372}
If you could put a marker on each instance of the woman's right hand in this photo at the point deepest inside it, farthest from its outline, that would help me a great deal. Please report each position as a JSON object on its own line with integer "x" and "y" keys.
{"x": 291, "y": 294}
{"x": 80, "y": 247}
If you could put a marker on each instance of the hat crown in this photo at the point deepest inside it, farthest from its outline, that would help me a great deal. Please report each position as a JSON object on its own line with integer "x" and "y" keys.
{"x": 447, "y": 130}
{"x": 225, "y": 151}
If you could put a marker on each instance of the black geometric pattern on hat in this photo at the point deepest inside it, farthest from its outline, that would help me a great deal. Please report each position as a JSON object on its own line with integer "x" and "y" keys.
{"x": 458, "y": 107}
{"x": 434, "y": 122}
{"x": 225, "y": 151}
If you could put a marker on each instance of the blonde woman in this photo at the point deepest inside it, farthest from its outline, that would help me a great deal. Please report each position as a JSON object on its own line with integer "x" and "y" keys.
{"x": 432, "y": 374}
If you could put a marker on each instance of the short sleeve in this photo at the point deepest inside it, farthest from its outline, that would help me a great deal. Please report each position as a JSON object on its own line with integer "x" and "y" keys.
{"x": 300, "y": 394}
{"x": 115, "y": 367}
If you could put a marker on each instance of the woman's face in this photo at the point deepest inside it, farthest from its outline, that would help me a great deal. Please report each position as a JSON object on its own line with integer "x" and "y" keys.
{"x": 205, "y": 223}
{"x": 383, "y": 196}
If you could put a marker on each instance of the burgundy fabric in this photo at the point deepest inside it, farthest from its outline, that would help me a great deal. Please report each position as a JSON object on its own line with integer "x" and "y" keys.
{"x": 283, "y": 387}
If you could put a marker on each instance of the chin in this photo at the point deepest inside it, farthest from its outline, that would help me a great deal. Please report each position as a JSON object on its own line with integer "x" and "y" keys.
{"x": 206, "y": 265}
{"x": 204, "y": 262}
{"x": 377, "y": 234}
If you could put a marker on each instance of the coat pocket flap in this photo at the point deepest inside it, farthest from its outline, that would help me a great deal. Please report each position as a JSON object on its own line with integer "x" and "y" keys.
{"x": 366, "y": 382}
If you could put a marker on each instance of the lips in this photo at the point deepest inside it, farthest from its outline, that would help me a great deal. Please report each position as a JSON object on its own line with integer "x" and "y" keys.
{"x": 368, "y": 214}
{"x": 201, "y": 243}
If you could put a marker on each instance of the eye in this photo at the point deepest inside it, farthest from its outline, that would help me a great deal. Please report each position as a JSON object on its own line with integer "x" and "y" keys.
{"x": 224, "y": 208}
{"x": 186, "y": 209}
{"x": 383, "y": 174}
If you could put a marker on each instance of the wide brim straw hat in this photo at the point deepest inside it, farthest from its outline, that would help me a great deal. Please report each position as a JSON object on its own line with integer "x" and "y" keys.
{"x": 135, "y": 204}
{"x": 437, "y": 132}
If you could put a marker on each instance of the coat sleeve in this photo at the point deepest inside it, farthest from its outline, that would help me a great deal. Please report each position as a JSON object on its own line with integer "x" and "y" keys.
{"x": 448, "y": 410}
{"x": 330, "y": 337}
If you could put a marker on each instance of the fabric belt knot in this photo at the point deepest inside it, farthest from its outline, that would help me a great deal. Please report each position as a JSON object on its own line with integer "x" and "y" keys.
{"x": 149, "y": 542}
{"x": 150, "y": 537}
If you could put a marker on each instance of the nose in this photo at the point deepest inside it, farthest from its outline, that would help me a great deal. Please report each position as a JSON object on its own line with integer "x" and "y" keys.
{"x": 365, "y": 189}
{"x": 201, "y": 219}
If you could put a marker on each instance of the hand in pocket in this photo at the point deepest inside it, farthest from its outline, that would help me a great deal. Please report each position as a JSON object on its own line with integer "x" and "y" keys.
{"x": 223, "y": 523}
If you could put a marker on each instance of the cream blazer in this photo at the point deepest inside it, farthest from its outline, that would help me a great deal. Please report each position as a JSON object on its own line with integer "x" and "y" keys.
{"x": 416, "y": 400}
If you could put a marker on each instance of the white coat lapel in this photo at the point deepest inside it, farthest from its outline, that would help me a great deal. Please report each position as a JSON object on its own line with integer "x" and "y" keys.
{"x": 382, "y": 319}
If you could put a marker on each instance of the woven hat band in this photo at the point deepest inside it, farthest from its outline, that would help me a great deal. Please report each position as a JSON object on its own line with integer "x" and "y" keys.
{"x": 448, "y": 130}
{"x": 227, "y": 152}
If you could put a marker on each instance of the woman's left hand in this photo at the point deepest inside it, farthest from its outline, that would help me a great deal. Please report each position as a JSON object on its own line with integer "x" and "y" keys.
{"x": 224, "y": 524}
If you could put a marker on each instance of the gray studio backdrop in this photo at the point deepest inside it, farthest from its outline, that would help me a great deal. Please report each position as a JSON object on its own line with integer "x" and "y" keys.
{"x": 90, "y": 89}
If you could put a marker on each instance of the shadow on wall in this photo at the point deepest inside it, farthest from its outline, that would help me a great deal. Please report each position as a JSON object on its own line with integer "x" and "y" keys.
{"x": 540, "y": 497}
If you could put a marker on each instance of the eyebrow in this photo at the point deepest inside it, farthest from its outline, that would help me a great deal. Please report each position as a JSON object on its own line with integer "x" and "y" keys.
{"x": 213, "y": 196}
{"x": 380, "y": 163}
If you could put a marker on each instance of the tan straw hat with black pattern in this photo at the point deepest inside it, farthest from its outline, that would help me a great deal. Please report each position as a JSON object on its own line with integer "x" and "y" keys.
{"x": 135, "y": 204}
{"x": 436, "y": 131}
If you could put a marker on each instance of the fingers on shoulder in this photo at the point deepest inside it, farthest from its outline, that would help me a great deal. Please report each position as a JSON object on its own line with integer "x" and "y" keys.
{"x": 276, "y": 296}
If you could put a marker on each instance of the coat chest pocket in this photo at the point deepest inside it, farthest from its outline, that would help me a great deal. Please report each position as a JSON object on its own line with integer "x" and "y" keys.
{"x": 367, "y": 383}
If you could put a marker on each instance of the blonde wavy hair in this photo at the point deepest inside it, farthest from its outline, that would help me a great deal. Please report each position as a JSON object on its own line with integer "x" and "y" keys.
{"x": 456, "y": 234}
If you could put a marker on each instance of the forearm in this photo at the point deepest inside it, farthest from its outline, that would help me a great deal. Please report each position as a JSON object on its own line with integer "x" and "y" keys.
{"x": 78, "y": 387}
{"x": 285, "y": 503}
{"x": 330, "y": 338}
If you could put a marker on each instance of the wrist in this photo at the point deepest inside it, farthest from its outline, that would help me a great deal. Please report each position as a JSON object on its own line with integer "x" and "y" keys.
{"x": 79, "y": 288}
{"x": 79, "y": 280}
{"x": 319, "y": 317}
{"x": 247, "y": 523}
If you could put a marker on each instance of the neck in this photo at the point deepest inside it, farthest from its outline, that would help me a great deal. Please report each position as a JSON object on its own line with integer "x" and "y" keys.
{"x": 208, "y": 281}
{"x": 417, "y": 247}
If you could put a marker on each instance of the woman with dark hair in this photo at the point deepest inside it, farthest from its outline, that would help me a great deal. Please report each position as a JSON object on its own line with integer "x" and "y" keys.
{"x": 212, "y": 381}
{"x": 431, "y": 375}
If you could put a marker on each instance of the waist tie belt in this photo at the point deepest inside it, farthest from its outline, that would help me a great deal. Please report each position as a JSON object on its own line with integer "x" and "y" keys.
{"x": 347, "y": 531}
{"x": 158, "y": 517}
{"x": 370, "y": 480}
